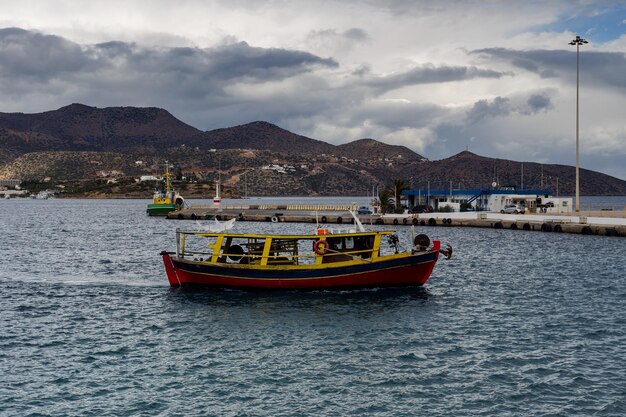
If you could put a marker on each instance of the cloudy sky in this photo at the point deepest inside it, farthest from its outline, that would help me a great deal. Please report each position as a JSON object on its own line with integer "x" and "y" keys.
{"x": 495, "y": 77}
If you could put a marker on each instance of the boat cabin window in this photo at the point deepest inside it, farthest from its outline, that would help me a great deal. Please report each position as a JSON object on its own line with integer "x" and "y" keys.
{"x": 241, "y": 250}
{"x": 248, "y": 250}
{"x": 347, "y": 248}
{"x": 341, "y": 243}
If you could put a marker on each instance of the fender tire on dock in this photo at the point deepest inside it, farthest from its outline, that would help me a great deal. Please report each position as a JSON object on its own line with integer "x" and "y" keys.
{"x": 526, "y": 226}
{"x": 274, "y": 219}
{"x": 180, "y": 216}
{"x": 586, "y": 230}
{"x": 498, "y": 225}
{"x": 513, "y": 226}
{"x": 415, "y": 222}
{"x": 405, "y": 220}
{"x": 339, "y": 220}
{"x": 324, "y": 219}
{"x": 432, "y": 222}
{"x": 193, "y": 216}
{"x": 557, "y": 228}
{"x": 395, "y": 221}
{"x": 545, "y": 227}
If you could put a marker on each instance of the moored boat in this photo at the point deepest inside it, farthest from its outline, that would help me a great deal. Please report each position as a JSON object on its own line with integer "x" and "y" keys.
{"x": 323, "y": 260}
{"x": 165, "y": 198}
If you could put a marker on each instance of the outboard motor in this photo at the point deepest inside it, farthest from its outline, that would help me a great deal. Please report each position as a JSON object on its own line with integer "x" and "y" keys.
{"x": 393, "y": 242}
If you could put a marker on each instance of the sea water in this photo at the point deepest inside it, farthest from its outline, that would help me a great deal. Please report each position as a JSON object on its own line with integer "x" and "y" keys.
{"x": 516, "y": 323}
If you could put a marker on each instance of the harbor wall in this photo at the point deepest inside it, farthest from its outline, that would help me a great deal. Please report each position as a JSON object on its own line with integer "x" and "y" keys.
{"x": 330, "y": 215}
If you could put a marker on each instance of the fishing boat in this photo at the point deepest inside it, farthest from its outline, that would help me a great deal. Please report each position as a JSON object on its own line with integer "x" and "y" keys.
{"x": 165, "y": 198}
{"x": 324, "y": 260}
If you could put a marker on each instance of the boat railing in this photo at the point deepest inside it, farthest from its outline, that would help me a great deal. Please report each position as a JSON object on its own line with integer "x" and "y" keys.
{"x": 279, "y": 251}
{"x": 253, "y": 257}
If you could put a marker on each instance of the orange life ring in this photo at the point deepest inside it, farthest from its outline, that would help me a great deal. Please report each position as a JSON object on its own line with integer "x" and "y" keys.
{"x": 319, "y": 247}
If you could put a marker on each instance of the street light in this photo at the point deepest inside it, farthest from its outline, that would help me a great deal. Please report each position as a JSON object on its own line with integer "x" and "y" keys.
{"x": 578, "y": 41}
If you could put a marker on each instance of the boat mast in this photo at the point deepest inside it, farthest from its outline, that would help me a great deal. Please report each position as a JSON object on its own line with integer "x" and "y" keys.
{"x": 168, "y": 184}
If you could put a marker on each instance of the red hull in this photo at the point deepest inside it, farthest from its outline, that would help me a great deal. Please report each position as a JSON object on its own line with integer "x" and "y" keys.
{"x": 409, "y": 271}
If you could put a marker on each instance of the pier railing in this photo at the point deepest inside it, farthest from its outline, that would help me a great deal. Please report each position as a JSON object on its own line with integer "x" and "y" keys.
{"x": 287, "y": 207}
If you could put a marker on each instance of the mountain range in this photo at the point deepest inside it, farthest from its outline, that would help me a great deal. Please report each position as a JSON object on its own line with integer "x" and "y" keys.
{"x": 83, "y": 143}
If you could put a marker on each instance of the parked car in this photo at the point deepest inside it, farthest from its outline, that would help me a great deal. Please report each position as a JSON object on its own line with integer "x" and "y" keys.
{"x": 513, "y": 209}
{"x": 421, "y": 209}
{"x": 364, "y": 210}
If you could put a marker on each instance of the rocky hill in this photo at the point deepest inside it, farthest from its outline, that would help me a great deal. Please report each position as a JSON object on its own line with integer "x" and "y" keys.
{"x": 266, "y": 136}
{"x": 82, "y": 128}
{"x": 82, "y": 143}
{"x": 373, "y": 150}
{"x": 468, "y": 170}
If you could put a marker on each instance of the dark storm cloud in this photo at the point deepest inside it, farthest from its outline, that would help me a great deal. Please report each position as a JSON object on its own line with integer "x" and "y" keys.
{"x": 485, "y": 108}
{"x": 539, "y": 102}
{"x": 600, "y": 68}
{"x": 26, "y": 53}
{"x": 242, "y": 60}
{"x": 503, "y": 106}
{"x": 428, "y": 74}
{"x": 34, "y": 55}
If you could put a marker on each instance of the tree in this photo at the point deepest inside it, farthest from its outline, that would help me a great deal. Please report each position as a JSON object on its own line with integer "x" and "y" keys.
{"x": 398, "y": 187}
{"x": 385, "y": 197}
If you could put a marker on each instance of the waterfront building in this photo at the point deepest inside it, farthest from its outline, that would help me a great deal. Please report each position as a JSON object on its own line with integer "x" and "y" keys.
{"x": 491, "y": 199}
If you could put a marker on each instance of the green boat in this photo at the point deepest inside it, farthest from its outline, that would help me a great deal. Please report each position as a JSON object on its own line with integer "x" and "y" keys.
{"x": 165, "y": 198}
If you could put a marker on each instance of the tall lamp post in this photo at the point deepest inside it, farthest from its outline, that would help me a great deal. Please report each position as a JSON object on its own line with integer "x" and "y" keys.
{"x": 578, "y": 41}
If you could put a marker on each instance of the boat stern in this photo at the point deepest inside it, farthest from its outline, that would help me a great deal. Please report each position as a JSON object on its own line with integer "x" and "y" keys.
{"x": 170, "y": 270}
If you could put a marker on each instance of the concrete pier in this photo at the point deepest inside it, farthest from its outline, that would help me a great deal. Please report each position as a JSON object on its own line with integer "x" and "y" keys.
{"x": 329, "y": 215}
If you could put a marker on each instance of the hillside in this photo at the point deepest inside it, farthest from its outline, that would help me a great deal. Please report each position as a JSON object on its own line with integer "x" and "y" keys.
{"x": 370, "y": 149}
{"x": 266, "y": 136}
{"x": 468, "y": 170}
{"x": 82, "y": 143}
{"x": 82, "y": 128}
